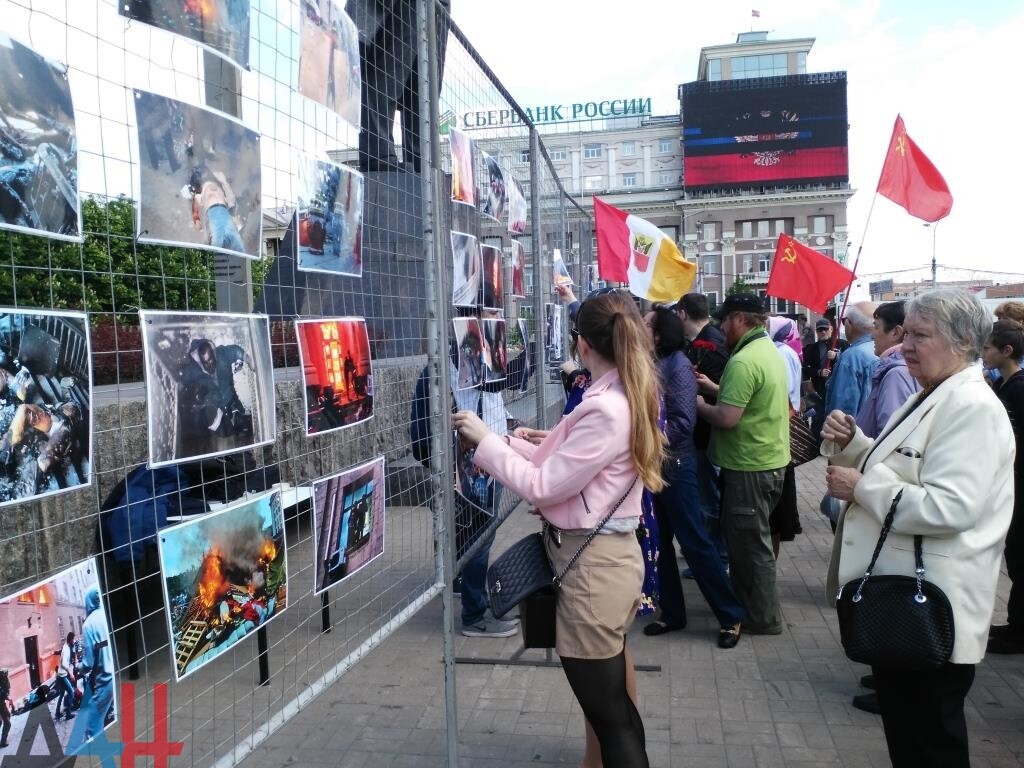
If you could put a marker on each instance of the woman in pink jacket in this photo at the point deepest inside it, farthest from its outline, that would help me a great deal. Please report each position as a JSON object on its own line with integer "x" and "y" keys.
{"x": 607, "y": 449}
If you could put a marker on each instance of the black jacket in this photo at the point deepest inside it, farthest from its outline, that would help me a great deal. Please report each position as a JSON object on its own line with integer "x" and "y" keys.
{"x": 710, "y": 362}
{"x": 1011, "y": 394}
{"x": 813, "y": 362}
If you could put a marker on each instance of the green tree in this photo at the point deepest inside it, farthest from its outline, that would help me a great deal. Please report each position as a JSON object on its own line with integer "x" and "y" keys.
{"x": 739, "y": 285}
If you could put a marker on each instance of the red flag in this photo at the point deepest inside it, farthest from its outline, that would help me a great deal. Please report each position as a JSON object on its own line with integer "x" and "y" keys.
{"x": 909, "y": 179}
{"x": 802, "y": 274}
{"x": 756, "y": 14}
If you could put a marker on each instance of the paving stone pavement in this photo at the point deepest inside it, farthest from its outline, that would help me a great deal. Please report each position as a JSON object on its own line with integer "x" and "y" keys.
{"x": 771, "y": 701}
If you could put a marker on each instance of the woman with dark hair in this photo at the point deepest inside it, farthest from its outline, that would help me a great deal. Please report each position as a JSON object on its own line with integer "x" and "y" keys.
{"x": 891, "y": 383}
{"x": 678, "y": 506}
{"x": 597, "y": 459}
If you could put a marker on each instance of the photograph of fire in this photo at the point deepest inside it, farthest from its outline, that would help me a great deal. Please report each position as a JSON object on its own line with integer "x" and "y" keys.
{"x": 335, "y": 357}
{"x": 492, "y": 277}
{"x": 463, "y": 168}
{"x": 224, "y": 575}
{"x": 222, "y": 26}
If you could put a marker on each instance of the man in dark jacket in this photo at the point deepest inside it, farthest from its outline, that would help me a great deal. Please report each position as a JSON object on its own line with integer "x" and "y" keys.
{"x": 819, "y": 360}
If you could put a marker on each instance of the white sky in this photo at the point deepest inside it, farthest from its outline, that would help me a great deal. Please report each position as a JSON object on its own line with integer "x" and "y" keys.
{"x": 952, "y": 69}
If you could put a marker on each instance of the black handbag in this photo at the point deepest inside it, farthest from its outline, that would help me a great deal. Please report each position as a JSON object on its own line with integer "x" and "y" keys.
{"x": 899, "y": 622}
{"x": 802, "y": 445}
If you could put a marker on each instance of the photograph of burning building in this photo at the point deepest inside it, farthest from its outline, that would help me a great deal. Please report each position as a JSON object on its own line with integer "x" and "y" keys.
{"x": 492, "y": 277}
{"x": 45, "y": 404}
{"x": 224, "y": 575}
{"x": 38, "y": 146}
{"x": 348, "y": 522}
{"x": 199, "y": 178}
{"x": 222, "y": 26}
{"x": 209, "y": 384}
{"x": 330, "y": 217}
{"x": 335, "y": 357}
{"x": 329, "y": 72}
{"x": 57, "y": 660}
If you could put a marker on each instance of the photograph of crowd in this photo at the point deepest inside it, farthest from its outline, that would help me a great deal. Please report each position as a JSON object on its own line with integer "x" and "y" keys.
{"x": 38, "y": 146}
{"x": 45, "y": 404}
{"x": 209, "y": 384}
{"x": 463, "y": 167}
{"x": 492, "y": 277}
{"x": 471, "y": 482}
{"x": 559, "y": 272}
{"x": 335, "y": 358}
{"x": 465, "y": 270}
{"x": 57, "y": 665}
{"x": 329, "y": 214}
{"x": 224, "y": 575}
{"x": 495, "y": 351}
{"x": 329, "y": 58}
{"x": 199, "y": 178}
{"x": 517, "y": 207}
{"x": 494, "y": 196}
{"x": 222, "y": 26}
{"x": 518, "y": 270}
{"x": 348, "y": 522}
{"x": 469, "y": 339}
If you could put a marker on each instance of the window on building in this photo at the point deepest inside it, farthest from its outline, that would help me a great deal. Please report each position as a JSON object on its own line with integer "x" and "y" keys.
{"x": 710, "y": 264}
{"x": 748, "y": 263}
{"x": 765, "y": 65}
{"x": 714, "y": 69}
{"x": 764, "y": 228}
{"x": 557, "y": 154}
{"x": 523, "y": 156}
{"x": 591, "y": 151}
{"x": 801, "y": 63}
{"x": 629, "y": 179}
{"x": 712, "y": 299}
{"x": 628, "y": 148}
{"x": 746, "y": 229}
{"x": 780, "y": 227}
{"x": 593, "y": 182}
{"x": 667, "y": 177}
{"x": 764, "y": 262}
{"x": 820, "y": 225}
{"x": 669, "y": 232}
{"x": 665, "y": 145}
{"x": 708, "y": 230}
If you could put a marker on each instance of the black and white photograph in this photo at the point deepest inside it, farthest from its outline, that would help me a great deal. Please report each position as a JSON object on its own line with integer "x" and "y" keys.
{"x": 492, "y": 277}
{"x": 469, "y": 339}
{"x": 517, "y": 206}
{"x": 524, "y": 334}
{"x": 495, "y": 349}
{"x": 199, "y": 178}
{"x": 329, "y": 71}
{"x": 45, "y": 404}
{"x": 209, "y": 384}
{"x": 465, "y": 270}
{"x": 329, "y": 214}
{"x": 553, "y": 352}
{"x": 38, "y": 146}
{"x": 494, "y": 195}
{"x": 220, "y": 26}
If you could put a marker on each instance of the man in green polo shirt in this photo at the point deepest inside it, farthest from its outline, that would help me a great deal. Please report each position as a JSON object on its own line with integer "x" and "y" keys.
{"x": 750, "y": 442}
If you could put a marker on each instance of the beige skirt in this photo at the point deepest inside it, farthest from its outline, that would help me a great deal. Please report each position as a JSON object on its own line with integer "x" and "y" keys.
{"x": 600, "y": 595}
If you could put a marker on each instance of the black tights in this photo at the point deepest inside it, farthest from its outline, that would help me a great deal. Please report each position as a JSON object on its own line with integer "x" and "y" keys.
{"x": 600, "y": 687}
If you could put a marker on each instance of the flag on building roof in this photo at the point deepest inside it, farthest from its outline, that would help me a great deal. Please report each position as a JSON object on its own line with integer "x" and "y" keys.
{"x": 910, "y": 179}
{"x": 801, "y": 274}
{"x": 634, "y": 251}
{"x": 756, "y": 14}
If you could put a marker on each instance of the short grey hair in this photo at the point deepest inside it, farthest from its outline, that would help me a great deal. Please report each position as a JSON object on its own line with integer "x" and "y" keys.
{"x": 855, "y": 317}
{"x": 959, "y": 317}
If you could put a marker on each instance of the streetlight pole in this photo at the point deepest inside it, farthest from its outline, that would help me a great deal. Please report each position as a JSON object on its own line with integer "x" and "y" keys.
{"x": 935, "y": 227}
{"x": 683, "y": 218}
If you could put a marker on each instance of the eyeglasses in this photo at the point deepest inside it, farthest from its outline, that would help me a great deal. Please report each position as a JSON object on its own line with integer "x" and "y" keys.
{"x": 601, "y": 292}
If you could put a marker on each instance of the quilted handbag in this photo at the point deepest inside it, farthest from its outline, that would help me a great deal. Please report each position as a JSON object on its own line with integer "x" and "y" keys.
{"x": 901, "y": 622}
{"x": 802, "y": 445}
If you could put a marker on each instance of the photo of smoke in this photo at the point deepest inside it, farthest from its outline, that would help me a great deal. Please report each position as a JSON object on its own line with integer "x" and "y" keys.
{"x": 495, "y": 350}
{"x": 553, "y": 352}
{"x": 517, "y": 208}
{"x": 465, "y": 270}
{"x": 45, "y": 404}
{"x": 471, "y": 482}
{"x": 38, "y": 146}
{"x": 209, "y": 384}
{"x": 494, "y": 196}
{"x": 335, "y": 358}
{"x": 199, "y": 178}
{"x": 348, "y": 522}
{"x": 518, "y": 270}
{"x": 221, "y": 26}
{"x": 463, "y": 167}
{"x": 492, "y": 277}
{"x": 329, "y": 58}
{"x": 469, "y": 339}
{"x": 224, "y": 576}
{"x": 559, "y": 272}
{"x": 330, "y": 218}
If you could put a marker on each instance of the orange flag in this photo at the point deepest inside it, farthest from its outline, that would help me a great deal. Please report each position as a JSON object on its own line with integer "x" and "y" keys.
{"x": 803, "y": 275}
{"x": 911, "y": 180}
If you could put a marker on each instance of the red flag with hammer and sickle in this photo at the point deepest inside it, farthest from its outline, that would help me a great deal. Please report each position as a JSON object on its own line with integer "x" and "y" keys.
{"x": 803, "y": 275}
{"x": 911, "y": 180}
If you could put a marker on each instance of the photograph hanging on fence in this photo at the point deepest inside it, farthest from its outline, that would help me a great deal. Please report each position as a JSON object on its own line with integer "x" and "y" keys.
{"x": 329, "y": 217}
{"x": 559, "y": 272}
{"x": 220, "y": 26}
{"x": 209, "y": 384}
{"x": 469, "y": 339}
{"x": 348, "y": 522}
{"x": 74, "y": 705}
{"x": 553, "y": 352}
{"x": 463, "y": 167}
{"x": 518, "y": 270}
{"x": 45, "y": 404}
{"x": 471, "y": 482}
{"x": 329, "y": 58}
{"x": 517, "y": 207}
{"x": 590, "y": 278}
{"x": 465, "y": 270}
{"x": 494, "y": 195}
{"x": 334, "y": 354}
{"x": 199, "y": 178}
{"x": 492, "y": 275}
{"x": 495, "y": 350}
{"x": 38, "y": 146}
{"x": 224, "y": 576}
{"x": 524, "y": 334}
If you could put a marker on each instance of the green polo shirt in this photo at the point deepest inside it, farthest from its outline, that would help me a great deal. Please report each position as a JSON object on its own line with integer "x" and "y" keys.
{"x": 755, "y": 380}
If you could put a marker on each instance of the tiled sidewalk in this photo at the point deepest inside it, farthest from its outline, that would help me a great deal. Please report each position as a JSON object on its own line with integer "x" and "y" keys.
{"x": 771, "y": 701}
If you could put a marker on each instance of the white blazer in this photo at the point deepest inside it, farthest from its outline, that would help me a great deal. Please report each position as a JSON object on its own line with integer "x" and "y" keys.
{"x": 953, "y": 459}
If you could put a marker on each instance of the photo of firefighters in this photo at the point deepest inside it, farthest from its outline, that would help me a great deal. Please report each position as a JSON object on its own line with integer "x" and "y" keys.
{"x": 221, "y": 26}
{"x": 559, "y": 272}
{"x": 329, "y": 58}
{"x": 495, "y": 350}
{"x": 494, "y": 195}
{"x": 465, "y": 270}
{"x": 38, "y": 146}
{"x": 463, "y": 167}
{"x": 517, "y": 207}
{"x": 471, "y": 482}
{"x": 45, "y": 404}
{"x": 470, "y": 341}
{"x": 335, "y": 359}
{"x": 224, "y": 575}
{"x": 348, "y": 522}
{"x": 56, "y": 664}
{"x": 199, "y": 178}
{"x": 209, "y": 384}
{"x": 518, "y": 270}
{"x": 492, "y": 277}
{"x": 330, "y": 217}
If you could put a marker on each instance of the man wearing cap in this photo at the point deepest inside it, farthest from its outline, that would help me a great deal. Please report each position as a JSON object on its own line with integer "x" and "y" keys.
{"x": 819, "y": 359}
{"x": 750, "y": 442}
{"x": 849, "y": 384}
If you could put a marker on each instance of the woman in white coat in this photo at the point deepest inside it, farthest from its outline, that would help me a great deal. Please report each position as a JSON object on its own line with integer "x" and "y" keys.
{"x": 950, "y": 451}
